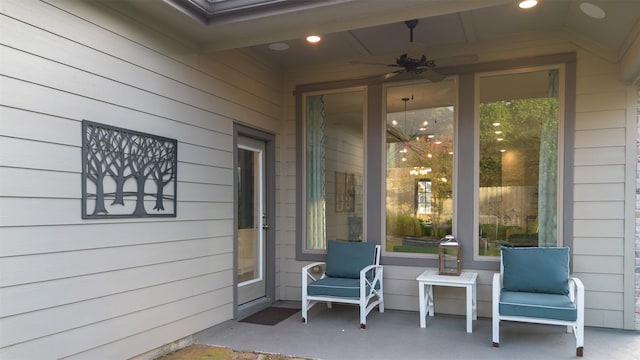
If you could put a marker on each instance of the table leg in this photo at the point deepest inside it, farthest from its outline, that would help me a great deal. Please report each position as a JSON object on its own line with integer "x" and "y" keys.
{"x": 430, "y": 300}
{"x": 423, "y": 305}
{"x": 474, "y": 304}
{"x": 469, "y": 307}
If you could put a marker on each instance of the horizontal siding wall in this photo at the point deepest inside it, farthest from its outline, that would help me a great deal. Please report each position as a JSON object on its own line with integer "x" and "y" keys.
{"x": 114, "y": 288}
{"x": 599, "y": 177}
{"x": 599, "y": 188}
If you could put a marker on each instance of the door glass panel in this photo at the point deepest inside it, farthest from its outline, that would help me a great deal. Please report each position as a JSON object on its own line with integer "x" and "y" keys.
{"x": 250, "y": 244}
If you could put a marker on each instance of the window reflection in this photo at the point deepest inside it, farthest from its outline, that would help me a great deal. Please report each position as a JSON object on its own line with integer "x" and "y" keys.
{"x": 334, "y": 167}
{"x": 419, "y": 165}
{"x": 518, "y": 160}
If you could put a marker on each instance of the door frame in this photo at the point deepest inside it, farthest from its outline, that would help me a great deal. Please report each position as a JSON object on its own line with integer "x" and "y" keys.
{"x": 240, "y": 311}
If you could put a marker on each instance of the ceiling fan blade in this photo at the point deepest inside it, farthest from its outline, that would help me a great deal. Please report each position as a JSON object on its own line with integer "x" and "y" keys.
{"x": 393, "y": 74}
{"x": 433, "y": 75}
{"x": 456, "y": 60}
{"x": 366, "y": 63}
{"x": 372, "y": 63}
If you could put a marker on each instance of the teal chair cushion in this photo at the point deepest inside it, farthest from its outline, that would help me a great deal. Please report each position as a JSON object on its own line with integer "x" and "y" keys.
{"x": 339, "y": 287}
{"x": 537, "y": 305}
{"x": 537, "y": 270}
{"x": 346, "y": 259}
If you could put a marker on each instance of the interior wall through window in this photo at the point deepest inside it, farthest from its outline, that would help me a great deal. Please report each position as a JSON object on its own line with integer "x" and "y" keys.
{"x": 334, "y": 167}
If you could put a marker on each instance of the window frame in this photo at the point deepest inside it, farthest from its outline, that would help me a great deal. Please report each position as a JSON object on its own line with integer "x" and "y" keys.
{"x": 417, "y": 257}
{"x": 464, "y": 165}
{"x": 302, "y": 251}
{"x": 560, "y": 161}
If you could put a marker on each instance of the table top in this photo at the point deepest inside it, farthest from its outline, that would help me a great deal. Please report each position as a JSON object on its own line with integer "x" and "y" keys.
{"x": 432, "y": 277}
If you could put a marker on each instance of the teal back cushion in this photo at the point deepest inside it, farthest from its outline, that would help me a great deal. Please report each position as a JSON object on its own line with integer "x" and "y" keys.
{"x": 532, "y": 269}
{"x": 346, "y": 259}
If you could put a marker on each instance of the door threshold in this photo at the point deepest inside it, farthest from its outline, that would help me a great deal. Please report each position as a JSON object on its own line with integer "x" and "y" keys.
{"x": 252, "y": 307}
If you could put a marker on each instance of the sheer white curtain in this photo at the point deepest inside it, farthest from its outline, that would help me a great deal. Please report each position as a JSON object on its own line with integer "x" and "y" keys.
{"x": 315, "y": 173}
{"x": 548, "y": 173}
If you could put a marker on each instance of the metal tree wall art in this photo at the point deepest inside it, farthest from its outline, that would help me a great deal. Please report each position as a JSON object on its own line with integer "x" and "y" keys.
{"x": 127, "y": 173}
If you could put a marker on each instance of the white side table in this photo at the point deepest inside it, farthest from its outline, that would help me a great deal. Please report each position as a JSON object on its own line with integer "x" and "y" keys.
{"x": 429, "y": 278}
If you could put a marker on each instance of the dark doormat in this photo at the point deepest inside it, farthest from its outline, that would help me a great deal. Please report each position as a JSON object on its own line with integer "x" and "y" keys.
{"x": 270, "y": 316}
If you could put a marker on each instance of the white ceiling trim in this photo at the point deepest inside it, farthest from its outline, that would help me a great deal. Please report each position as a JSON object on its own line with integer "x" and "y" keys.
{"x": 323, "y": 20}
{"x": 630, "y": 62}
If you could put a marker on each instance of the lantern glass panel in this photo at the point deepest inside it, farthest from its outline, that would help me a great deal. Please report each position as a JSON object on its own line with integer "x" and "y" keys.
{"x": 449, "y": 259}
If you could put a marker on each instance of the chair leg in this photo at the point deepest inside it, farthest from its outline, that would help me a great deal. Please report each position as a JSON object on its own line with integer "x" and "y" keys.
{"x": 363, "y": 315}
{"x": 496, "y": 330}
{"x": 579, "y": 333}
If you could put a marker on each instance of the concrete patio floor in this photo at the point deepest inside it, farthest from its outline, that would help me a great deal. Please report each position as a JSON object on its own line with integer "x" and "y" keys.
{"x": 334, "y": 334}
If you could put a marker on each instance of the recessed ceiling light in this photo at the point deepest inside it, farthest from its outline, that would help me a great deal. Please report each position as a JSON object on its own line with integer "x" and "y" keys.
{"x": 592, "y": 10}
{"x": 527, "y": 4}
{"x": 279, "y": 46}
{"x": 313, "y": 38}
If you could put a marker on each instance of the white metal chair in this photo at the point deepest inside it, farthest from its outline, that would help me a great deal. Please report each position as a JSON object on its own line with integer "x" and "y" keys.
{"x": 534, "y": 286}
{"x": 352, "y": 275}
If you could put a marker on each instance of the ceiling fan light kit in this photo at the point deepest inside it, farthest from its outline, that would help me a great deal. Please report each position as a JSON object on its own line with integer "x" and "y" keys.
{"x": 415, "y": 63}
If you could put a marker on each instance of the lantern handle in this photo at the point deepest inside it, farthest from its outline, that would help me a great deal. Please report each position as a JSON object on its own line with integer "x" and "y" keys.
{"x": 448, "y": 238}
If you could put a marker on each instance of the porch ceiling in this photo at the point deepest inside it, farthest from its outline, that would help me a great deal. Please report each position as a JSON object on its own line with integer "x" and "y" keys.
{"x": 375, "y": 29}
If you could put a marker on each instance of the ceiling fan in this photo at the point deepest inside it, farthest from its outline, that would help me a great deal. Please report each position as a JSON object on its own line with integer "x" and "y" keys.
{"x": 415, "y": 62}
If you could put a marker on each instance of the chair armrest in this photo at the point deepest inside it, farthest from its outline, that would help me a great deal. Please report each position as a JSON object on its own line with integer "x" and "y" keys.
{"x": 365, "y": 270}
{"x": 497, "y": 280}
{"x": 495, "y": 293}
{"x": 306, "y": 273}
{"x": 576, "y": 289}
{"x": 307, "y": 269}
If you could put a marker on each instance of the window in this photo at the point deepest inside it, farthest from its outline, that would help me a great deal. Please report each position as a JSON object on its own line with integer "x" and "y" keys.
{"x": 519, "y": 177}
{"x": 420, "y": 120}
{"x": 333, "y": 167}
{"x": 484, "y": 156}
{"x": 423, "y": 197}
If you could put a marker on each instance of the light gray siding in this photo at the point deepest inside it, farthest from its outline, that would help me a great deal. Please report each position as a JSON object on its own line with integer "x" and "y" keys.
{"x": 114, "y": 288}
{"x": 599, "y": 192}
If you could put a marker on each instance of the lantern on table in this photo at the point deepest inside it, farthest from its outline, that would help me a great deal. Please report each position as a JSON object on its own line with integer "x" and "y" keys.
{"x": 449, "y": 256}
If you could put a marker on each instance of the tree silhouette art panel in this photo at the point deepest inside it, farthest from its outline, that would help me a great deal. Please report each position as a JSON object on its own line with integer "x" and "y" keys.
{"x": 127, "y": 173}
